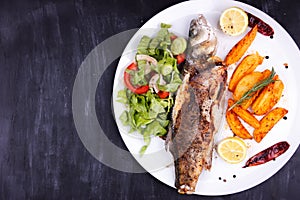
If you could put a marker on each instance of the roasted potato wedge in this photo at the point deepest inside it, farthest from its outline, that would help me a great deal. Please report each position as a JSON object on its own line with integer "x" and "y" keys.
{"x": 268, "y": 122}
{"x": 246, "y": 83}
{"x": 237, "y": 52}
{"x": 247, "y": 65}
{"x": 266, "y": 73}
{"x": 248, "y": 102}
{"x": 244, "y": 115}
{"x": 269, "y": 96}
{"x": 236, "y": 125}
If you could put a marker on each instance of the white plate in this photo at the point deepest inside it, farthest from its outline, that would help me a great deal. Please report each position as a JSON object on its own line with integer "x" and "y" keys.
{"x": 281, "y": 49}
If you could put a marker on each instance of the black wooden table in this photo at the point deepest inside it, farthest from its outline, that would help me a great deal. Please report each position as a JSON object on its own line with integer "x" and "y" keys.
{"x": 42, "y": 45}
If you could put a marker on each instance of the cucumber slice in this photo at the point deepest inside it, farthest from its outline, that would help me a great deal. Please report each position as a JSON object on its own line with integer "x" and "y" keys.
{"x": 166, "y": 69}
{"x": 178, "y": 46}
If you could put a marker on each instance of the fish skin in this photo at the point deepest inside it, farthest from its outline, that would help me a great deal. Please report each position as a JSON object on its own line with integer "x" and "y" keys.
{"x": 198, "y": 108}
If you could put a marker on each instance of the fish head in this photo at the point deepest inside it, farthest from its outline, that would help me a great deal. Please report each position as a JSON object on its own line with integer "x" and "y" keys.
{"x": 202, "y": 38}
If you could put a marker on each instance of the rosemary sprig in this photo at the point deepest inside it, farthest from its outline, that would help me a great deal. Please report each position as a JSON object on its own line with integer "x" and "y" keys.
{"x": 255, "y": 88}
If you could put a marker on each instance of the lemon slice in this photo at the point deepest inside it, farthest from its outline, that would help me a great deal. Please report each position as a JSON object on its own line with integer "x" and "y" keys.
{"x": 232, "y": 150}
{"x": 234, "y": 21}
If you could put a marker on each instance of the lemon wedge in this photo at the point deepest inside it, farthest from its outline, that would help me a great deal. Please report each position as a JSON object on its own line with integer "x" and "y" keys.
{"x": 234, "y": 21}
{"x": 232, "y": 150}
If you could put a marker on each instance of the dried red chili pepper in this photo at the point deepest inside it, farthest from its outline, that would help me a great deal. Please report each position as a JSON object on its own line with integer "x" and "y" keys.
{"x": 262, "y": 27}
{"x": 268, "y": 154}
{"x": 136, "y": 89}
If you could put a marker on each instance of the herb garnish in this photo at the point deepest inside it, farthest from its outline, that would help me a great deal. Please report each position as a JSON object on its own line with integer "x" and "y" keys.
{"x": 255, "y": 88}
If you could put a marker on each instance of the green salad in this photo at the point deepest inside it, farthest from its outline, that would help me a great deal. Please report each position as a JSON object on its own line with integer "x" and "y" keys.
{"x": 150, "y": 84}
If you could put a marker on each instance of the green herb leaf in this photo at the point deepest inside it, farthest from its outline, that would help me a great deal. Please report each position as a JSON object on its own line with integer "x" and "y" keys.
{"x": 143, "y": 149}
{"x": 154, "y": 128}
{"x": 141, "y": 120}
{"x": 122, "y": 96}
{"x": 124, "y": 118}
{"x": 163, "y": 25}
{"x": 143, "y": 45}
{"x": 155, "y": 108}
{"x": 173, "y": 85}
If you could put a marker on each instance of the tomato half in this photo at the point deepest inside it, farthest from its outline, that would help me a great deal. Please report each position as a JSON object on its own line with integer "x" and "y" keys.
{"x": 127, "y": 80}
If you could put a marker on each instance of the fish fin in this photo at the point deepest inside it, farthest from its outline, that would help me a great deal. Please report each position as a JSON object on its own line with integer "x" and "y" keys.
{"x": 168, "y": 142}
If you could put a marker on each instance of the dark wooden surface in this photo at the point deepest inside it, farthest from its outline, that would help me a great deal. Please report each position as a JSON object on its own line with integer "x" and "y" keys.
{"x": 42, "y": 44}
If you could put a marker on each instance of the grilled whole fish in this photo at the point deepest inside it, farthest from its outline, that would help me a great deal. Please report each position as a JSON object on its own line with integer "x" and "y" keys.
{"x": 198, "y": 107}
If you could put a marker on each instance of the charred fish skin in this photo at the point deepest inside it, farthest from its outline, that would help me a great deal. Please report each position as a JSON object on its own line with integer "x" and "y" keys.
{"x": 198, "y": 108}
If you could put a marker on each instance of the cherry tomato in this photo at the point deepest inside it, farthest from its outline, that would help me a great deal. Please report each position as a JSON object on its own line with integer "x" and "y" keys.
{"x": 163, "y": 94}
{"x": 135, "y": 89}
{"x": 180, "y": 58}
{"x": 173, "y": 37}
